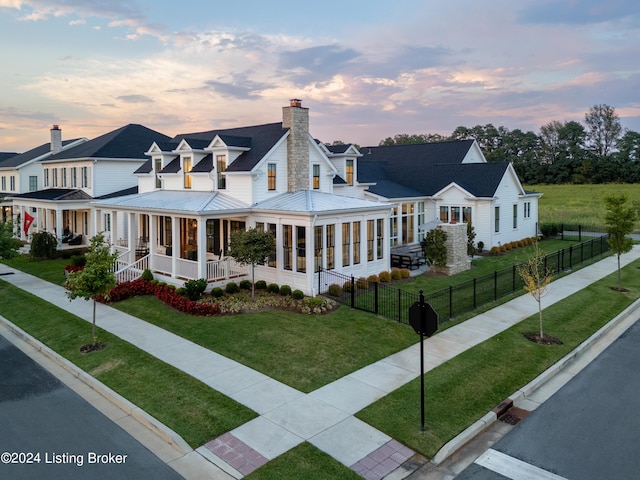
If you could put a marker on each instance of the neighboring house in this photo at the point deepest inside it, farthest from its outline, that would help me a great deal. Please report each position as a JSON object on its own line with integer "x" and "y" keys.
{"x": 21, "y": 173}
{"x": 199, "y": 188}
{"x": 447, "y": 182}
{"x": 77, "y": 173}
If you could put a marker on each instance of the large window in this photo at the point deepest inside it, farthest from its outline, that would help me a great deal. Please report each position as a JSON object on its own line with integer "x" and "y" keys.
{"x": 74, "y": 177}
{"x": 497, "y": 219}
{"x": 12, "y": 183}
{"x": 4, "y": 184}
{"x": 349, "y": 172}
{"x": 158, "y": 169}
{"x": 421, "y": 219}
{"x": 515, "y": 215}
{"x": 455, "y": 214}
{"x": 407, "y": 223}
{"x": 317, "y": 248}
{"x": 221, "y": 165}
{"x": 187, "y": 165}
{"x": 370, "y": 239}
{"x": 287, "y": 247}
{"x": 393, "y": 226}
{"x": 85, "y": 177}
{"x": 444, "y": 214}
{"x": 271, "y": 176}
{"x": 331, "y": 247}
{"x": 33, "y": 183}
{"x": 63, "y": 178}
{"x": 527, "y": 210}
{"x": 466, "y": 214}
{"x": 380, "y": 237}
{"x": 301, "y": 249}
{"x": 316, "y": 176}
{"x": 356, "y": 243}
{"x": 55, "y": 177}
{"x": 346, "y": 244}
{"x": 164, "y": 231}
{"x": 271, "y": 259}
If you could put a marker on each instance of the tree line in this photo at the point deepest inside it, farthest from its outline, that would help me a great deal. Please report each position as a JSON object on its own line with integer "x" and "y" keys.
{"x": 596, "y": 151}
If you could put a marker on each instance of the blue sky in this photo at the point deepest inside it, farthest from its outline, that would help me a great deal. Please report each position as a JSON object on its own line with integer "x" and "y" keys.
{"x": 366, "y": 69}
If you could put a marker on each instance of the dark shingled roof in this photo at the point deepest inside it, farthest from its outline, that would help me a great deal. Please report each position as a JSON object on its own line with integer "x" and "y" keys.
{"x": 119, "y": 193}
{"x": 172, "y": 167}
{"x": 130, "y": 141}
{"x": 56, "y": 194}
{"x": 338, "y": 148}
{"x": 261, "y": 138}
{"x": 235, "y": 141}
{"x": 401, "y": 171}
{"x": 204, "y": 166}
{"x": 146, "y": 167}
{"x": 17, "y": 160}
{"x": 6, "y": 155}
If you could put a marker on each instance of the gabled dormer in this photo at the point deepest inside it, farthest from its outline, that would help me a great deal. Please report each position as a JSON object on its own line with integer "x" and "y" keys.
{"x": 345, "y": 160}
{"x": 225, "y": 149}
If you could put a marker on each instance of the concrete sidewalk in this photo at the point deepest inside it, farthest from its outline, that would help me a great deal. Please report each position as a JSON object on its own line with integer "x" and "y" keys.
{"x": 323, "y": 417}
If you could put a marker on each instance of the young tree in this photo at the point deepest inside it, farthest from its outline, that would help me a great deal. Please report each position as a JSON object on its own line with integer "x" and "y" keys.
{"x": 536, "y": 279}
{"x": 471, "y": 236}
{"x": 251, "y": 247}
{"x": 9, "y": 245}
{"x": 435, "y": 249}
{"x": 97, "y": 278}
{"x": 620, "y": 218}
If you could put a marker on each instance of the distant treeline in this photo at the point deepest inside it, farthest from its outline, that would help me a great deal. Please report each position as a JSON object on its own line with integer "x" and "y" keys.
{"x": 598, "y": 151}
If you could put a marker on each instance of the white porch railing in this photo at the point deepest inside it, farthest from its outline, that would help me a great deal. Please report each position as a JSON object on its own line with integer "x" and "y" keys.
{"x": 225, "y": 268}
{"x": 133, "y": 271}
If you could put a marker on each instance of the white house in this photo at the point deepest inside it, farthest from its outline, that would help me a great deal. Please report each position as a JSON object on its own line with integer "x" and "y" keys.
{"x": 199, "y": 188}
{"x": 73, "y": 176}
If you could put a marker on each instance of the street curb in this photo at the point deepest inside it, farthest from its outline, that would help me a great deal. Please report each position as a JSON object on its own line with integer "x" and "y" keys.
{"x": 142, "y": 417}
{"x": 528, "y": 390}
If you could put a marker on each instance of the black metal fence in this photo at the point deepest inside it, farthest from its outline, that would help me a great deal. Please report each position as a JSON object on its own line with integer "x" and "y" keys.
{"x": 393, "y": 303}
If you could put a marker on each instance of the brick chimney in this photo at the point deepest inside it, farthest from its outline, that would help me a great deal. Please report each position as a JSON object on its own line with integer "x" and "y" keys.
{"x": 296, "y": 119}
{"x": 56, "y": 139}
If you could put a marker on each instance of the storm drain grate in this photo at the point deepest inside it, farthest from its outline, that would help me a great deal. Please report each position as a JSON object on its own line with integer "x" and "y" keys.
{"x": 514, "y": 415}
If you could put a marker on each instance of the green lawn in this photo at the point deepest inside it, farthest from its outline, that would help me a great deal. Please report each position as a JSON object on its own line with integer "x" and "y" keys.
{"x": 303, "y": 351}
{"x": 465, "y": 388}
{"x": 49, "y": 270}
{"x": 184, "y": 404}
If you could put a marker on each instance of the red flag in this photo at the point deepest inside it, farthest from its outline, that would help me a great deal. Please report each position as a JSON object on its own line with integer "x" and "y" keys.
{"x": 28, "y": 220}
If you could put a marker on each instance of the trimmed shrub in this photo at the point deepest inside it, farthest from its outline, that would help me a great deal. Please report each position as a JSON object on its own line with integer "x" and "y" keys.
{"x": 405, "y": 273}
{"x": 334, "y": 290}
{"x": 384, "y": 277}
{"x": 285, "y": 290}
{"x": 395, "y": 274}
{"x": 43, "y": 245}
{"x": 79, "y": 261}
{"x": 297, "y": 295}
{"x": 346, "y": 288}
{"x": 231, "y": 288}
{"x": 261, "y": 285}
{"x": 245, "y": 284}
{"x": 494, "y": 250}
{"x": 193, "y": 289}
{"x": 362, "y": 284}
{"x": 217, "y": 292}
{"x": 146, "y": 275}
{"x": 273, "y": 288}
{"x": 373, "y": 279}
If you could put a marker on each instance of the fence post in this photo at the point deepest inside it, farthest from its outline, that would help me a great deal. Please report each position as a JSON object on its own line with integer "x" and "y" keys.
{"x": 580, "y": 233}
{"x": 375, "y": 296}
{"x": 399, "y": 306}
{"x": 570, "y": 257}
{"x": 474, "y": 294}
{"x": 450, "y": 301}
{"x": 495, "y": 285}
{"x": 513, "y": 279}
{"x": 353, "y": 292}
{"x": 562, "y": 231}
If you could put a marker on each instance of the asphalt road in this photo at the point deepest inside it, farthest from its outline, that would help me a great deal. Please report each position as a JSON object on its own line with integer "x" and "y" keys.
{"x": 588, "y": 430}
{"x": 47, "y": 431}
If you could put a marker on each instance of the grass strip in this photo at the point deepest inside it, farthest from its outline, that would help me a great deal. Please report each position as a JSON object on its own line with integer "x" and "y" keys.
{"x": 189, "y": 407}
{"x": 465, "y": 388}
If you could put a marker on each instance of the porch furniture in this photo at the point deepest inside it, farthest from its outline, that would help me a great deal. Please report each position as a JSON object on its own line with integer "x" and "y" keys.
{"x": 75, "y": 240}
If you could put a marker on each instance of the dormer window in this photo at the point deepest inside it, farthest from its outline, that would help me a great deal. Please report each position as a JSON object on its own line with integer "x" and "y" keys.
{"x": 349, "y": 172}
{"x": 221, "y": 166}
{"x": 158, "y": 168}
{"x": 271, "y": 176}
{"x": 186, "y": 168}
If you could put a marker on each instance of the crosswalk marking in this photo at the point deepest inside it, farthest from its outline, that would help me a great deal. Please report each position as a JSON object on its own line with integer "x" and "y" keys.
{"x": 513, "y": 468}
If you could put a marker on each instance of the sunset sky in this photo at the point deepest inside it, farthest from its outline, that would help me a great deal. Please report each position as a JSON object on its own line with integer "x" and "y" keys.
{"x": 366, "y": 69}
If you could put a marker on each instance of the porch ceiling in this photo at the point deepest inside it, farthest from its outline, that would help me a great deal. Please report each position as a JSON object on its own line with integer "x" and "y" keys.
{"x": 176, "y": 201}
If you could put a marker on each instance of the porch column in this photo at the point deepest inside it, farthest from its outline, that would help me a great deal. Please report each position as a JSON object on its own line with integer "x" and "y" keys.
{"x": 153, "y": 238}
{"x": 202, "y": 248}
{"x": 131, "y": 238}
{"x": 59, "y": 228}
{"x": 114, "y": 226}
{"x": 96, "y": 222}
{"x": 175, "y": 240}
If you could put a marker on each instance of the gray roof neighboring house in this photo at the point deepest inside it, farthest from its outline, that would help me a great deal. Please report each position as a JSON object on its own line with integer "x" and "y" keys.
{"x": 18, "y": 160}
{"x": 6, "y": 155}
{"x": 422, "y": 170}
{"x": 54, "y": 195}
{"x": 130, "y": 141}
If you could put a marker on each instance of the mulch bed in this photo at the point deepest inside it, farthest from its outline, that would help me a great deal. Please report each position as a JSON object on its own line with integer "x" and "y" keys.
{"x": 546, "y": 339}
{"x": 92, "y": 347}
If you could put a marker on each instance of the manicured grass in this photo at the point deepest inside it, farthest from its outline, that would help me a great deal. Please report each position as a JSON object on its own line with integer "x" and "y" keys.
{"x": 582, "y": 204}
{"x": 304, "y": 461}
{"x": 184, "y": 404}
{"x": 303, "y": 351}
{"x": 465, "y": 388}
{"x": 49, "y": 270}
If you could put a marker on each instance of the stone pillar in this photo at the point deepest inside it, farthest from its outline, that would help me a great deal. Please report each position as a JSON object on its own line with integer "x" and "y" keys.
{"x": 457, "y": 258}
